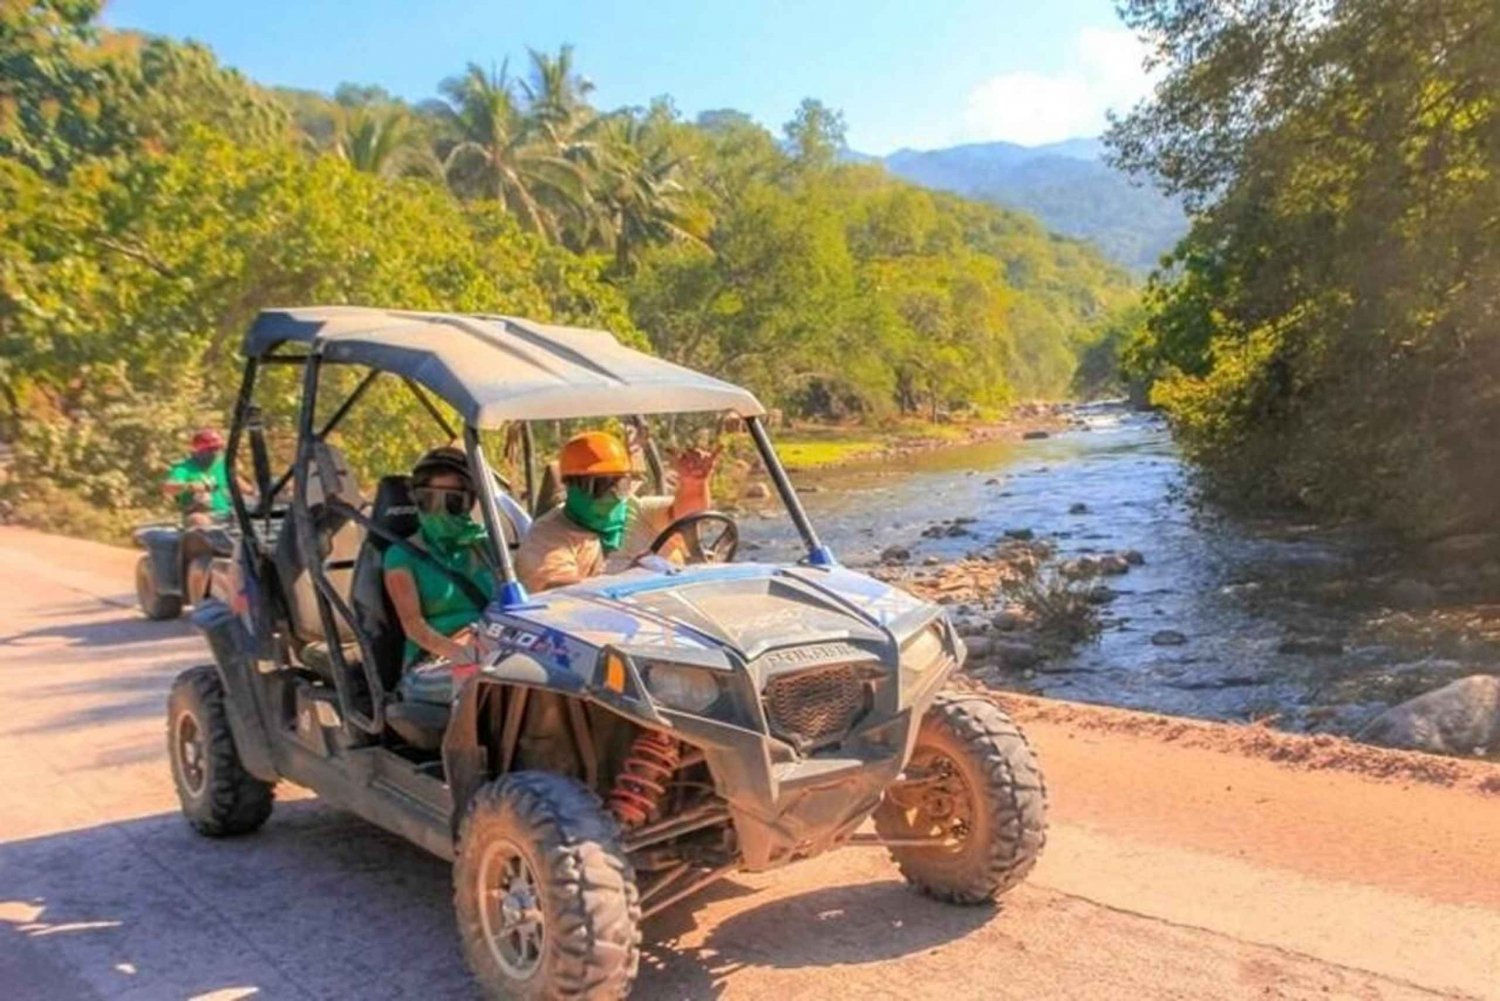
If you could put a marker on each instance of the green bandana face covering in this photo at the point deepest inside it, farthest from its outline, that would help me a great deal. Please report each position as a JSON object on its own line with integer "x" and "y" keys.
{"x": 449, "y": 532}
{"x": 604, "y": 516}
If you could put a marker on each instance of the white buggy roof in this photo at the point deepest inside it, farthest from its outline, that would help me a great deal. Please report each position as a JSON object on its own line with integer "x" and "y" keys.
{"x": 494, "y": 369}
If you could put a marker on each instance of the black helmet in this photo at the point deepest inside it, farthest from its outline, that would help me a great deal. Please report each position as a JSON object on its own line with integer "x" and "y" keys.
{"x": 442, "y": 460}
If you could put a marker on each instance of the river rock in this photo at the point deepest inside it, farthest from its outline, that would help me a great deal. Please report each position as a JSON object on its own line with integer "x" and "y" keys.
{"x": 1017, "y": 655}
{"x": 967, "y": 627}
{"x": 1168, "y": 637}
{"x": 1113, "y": 563}
{"x": 1035, "y": 435}
{"x": 1462, "y": 717}
{"x": 1078, "y": 507}
{"x": 756, "y": 491}
{"x": 1011, "y": 618}
{"x": 1134, "y": 557}
{"x": 979, "y": 646}
{"x": 1100, "y": 594}
{"x": 1411, "y": 594}
{"x": 956, "y": 531}
{"x": 1079, "y": 568}
{"x": 1020, "y": 534}
{"x": 931, "y": 561}
{"x": 992, "y": 482}
{"x": 895, "y": 554}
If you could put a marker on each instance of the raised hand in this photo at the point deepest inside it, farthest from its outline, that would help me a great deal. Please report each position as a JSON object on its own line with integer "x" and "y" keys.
{"x": 695, "y": 463}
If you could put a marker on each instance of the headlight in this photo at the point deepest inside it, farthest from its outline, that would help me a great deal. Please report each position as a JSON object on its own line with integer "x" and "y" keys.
{"x": 924, "y": 650}
{"x": 691, "y": 689}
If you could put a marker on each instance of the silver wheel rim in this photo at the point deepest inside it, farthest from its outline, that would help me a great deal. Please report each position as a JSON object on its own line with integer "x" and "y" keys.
{"x": 511, "y": 909}
{"x": 192, "y": 753}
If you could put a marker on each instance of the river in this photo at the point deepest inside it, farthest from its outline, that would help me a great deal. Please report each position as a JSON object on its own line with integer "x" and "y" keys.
{"x": 1278, "y": 621}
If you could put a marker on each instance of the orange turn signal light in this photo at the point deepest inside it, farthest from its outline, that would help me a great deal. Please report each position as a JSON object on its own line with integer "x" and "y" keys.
{"x": 614, "y": 672}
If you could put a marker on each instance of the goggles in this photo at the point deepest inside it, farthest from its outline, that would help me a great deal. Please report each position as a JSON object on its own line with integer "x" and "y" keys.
{"x": 599, "y": 487}
{"x": 443, "y": 500}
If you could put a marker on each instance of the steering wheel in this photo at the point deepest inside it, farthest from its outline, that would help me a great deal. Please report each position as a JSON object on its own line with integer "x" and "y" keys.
{"x": 702, "y": 546}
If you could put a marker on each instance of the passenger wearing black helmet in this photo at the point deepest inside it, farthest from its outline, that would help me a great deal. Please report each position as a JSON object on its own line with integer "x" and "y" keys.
{"x": 436, "y": 613}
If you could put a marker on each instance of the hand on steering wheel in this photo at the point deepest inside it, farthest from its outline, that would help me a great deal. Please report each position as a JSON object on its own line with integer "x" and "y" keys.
{"x": 703, "y": 543}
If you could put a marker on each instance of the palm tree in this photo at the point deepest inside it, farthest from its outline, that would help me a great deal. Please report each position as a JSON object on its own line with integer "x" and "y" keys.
{"x": 383, "y": 141}
{"x": 556, "y": 96}
{"x": 638, "y": 194}
{"x": 498, "y": 153}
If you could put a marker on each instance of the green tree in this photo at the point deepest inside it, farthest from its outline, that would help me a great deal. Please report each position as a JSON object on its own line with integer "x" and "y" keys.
{"x": 497, "y": 153}
{"x": 1323, "y": 337}
{"x": 816, "y": 133}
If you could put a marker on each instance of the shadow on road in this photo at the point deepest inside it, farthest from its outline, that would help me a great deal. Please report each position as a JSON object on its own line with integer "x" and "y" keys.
{"x": 829, "y": 926}
{"x": 107, "y": 634}
{"x": 321, "y": 904}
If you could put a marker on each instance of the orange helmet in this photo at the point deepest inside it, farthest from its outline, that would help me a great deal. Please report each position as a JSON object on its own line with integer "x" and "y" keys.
{"x": 594, "y": 453}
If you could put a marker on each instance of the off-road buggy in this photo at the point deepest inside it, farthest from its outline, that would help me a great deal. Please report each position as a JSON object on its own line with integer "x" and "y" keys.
{"x": 627, "y": 740}
{"x": 179, "y": 566}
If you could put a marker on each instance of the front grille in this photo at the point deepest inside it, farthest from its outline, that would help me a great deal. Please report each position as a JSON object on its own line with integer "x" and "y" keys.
{"x": 815, "y": 707}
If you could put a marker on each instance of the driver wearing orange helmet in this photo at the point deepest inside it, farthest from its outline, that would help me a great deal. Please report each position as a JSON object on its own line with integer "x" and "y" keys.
{"x": 602, "y": 525}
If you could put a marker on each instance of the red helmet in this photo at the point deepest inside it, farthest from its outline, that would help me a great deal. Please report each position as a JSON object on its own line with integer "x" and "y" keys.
{"x": 207, "y": 440}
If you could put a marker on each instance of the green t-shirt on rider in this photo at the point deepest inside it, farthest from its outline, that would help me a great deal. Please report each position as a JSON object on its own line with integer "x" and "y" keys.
{"x": 445, "y": 605}
{"x": 213, "y": 476}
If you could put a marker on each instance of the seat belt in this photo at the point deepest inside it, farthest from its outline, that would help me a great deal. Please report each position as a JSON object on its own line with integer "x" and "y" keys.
{"x": 470, "y": 589}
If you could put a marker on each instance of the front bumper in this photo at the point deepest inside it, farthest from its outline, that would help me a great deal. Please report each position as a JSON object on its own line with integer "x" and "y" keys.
{"x": 787, "y": 806}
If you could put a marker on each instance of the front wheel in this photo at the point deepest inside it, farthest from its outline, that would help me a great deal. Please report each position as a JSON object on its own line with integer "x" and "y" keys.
{"x": 154, "y": 604}
{"x": 546, "y": 900}
{"x": 974, "y": 788}
{"x": 219, "y": 798}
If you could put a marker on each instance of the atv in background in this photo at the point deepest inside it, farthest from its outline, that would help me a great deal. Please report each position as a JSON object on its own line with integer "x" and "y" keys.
{"x": 179, "y": 566}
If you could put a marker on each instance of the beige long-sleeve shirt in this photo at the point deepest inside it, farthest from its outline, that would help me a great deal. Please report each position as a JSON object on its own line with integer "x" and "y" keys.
{"x": 556, "y": 551}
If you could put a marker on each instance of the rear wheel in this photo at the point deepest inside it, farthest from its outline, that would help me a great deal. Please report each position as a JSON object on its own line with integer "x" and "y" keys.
{"x": 546, "y": 900}
{"x": 156, "y": 605}
{"x": 219, "y": 798}
{"x": 973, "y": 786}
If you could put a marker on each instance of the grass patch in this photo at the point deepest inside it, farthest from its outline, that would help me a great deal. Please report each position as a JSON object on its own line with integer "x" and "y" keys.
{"x": 812, "y": 447}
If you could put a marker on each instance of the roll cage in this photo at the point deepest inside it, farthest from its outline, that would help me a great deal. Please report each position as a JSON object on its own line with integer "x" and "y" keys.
{"x": 481, "y": 401}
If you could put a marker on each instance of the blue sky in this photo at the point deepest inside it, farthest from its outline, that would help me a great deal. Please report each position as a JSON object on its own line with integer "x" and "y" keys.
{"x": 920, "y": 73}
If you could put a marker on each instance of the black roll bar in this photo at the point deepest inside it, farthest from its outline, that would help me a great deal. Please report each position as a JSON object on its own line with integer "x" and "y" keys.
{"x": 232, "y": 446}
{"x": 818, "y": 555}
{"x": 431, "y": 407}
{"x": 324, "y": 595}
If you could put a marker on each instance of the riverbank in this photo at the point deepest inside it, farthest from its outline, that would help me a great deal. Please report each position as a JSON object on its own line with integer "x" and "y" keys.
{"x": 806, "y": 446}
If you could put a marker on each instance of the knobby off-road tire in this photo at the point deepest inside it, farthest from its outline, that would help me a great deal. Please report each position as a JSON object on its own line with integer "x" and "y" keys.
{"x": 219, "y": 798}
{"x": 1005, "y": 812}
{"x": 537, "y": 844}
{"x": 155, "y": 605}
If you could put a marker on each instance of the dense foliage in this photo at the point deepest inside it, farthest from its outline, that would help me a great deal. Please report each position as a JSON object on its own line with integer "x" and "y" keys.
{"x": 151, "y": 201}
{"x": 1329, "y": 334}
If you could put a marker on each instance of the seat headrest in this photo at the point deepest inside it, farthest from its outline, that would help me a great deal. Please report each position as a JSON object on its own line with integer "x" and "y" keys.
{"x": 394, "y": 509}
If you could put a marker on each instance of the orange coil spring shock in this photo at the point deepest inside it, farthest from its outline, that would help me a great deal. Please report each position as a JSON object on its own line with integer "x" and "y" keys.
{"x": 643, "y": 778}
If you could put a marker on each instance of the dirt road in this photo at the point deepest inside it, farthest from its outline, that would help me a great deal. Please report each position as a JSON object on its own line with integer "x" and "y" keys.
{"x": 1183, "y": 862}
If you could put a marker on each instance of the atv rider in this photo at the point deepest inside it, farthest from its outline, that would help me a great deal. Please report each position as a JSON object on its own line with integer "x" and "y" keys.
{"x": 199, "y": 483}
{"x": 435, "y": 610}
{"x": 601, "y": 525}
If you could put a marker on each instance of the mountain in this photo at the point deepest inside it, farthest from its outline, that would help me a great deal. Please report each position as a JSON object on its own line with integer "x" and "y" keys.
{"x": 1065, "y": 184}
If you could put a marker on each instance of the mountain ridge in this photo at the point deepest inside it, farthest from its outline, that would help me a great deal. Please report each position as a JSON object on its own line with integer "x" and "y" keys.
{"x": 1067, "y": 185}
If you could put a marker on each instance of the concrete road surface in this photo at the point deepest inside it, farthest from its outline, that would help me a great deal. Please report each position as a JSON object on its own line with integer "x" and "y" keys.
{"x": 1171, "y": 872}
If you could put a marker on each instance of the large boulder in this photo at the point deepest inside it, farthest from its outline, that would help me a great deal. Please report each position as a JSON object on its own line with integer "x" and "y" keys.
{"x": 1462, "y": 717}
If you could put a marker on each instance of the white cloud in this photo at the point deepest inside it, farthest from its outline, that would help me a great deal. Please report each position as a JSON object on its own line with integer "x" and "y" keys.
{"x": 1104, "y": 71}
